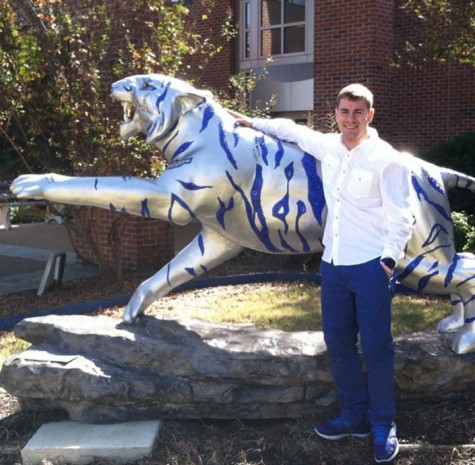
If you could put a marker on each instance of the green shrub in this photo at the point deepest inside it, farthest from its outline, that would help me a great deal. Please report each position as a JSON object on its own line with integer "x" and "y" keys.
{"x": 27, "y": 214}
{"x": 458, "y": 154}
{"x": 464, "y": 231}
{"x": 470, "y": 246}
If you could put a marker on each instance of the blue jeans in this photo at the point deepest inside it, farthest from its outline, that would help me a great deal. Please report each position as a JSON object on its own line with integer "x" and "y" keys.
{"x": 357, "y": 299}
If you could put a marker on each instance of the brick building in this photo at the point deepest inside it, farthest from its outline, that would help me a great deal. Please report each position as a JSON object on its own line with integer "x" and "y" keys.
{"x": 319, "y": 46}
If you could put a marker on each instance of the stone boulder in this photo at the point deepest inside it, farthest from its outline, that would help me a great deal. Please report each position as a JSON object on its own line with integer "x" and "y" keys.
{"x": 100, "y": 370}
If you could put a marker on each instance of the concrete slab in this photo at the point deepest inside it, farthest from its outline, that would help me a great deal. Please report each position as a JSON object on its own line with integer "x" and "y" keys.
{"x": 18, "y": 277}
{"x": 18, "y": 265}
{"x": 25, "y": 250}
{"x": 69, "y": 442}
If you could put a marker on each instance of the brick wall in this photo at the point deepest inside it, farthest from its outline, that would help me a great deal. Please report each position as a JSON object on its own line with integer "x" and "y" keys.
{"x": 215, "y": 73}
{"x": 354, "y": 42}
{"x": 145, "y": 243}
{"x": 432, "y": 104}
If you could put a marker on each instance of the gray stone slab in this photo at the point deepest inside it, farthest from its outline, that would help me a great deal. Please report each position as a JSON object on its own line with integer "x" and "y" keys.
{"x": 30, "y": 252}
{"x": 23, "y": 280}
{"x": 69, "y": 442}
{"x": 19, "y": 264}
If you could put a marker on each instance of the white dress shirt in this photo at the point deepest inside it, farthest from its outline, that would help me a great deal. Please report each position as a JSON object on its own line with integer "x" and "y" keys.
{"x": 366, "y": 191}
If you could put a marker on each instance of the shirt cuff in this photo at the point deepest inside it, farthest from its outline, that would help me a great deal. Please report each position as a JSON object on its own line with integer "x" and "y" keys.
{"x": 389, "y": 262}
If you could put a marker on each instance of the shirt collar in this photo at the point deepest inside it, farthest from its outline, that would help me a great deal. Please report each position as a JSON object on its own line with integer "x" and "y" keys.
{"x": 370, "y": 141}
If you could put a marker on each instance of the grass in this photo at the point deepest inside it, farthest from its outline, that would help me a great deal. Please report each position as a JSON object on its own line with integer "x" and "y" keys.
{"x": 288, "y": 307}
{"x": 10, "y": 345}
{"x": 413, "y": 313}
{"x": 296, "y": 307}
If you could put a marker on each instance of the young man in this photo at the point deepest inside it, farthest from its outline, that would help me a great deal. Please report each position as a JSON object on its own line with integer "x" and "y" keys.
{"x": 368, "y": 225}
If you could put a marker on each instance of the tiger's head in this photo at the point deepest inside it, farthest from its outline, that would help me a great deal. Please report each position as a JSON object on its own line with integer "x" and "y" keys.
{"x": 153, "y": 104}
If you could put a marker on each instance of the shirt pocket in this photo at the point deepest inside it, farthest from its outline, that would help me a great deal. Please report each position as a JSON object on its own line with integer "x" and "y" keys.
{"x": 359, "y": 183}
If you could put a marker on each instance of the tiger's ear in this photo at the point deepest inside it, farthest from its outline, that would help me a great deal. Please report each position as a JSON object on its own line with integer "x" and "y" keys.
{"x": 190, "y": 101}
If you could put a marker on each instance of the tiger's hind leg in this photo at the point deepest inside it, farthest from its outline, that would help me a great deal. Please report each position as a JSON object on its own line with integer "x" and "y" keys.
{"x": 464, "y": 340}
{"x": 207, "y": 250}
{"x": 454, "y": 322}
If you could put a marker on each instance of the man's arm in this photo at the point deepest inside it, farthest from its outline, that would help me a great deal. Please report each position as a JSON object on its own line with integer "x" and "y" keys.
{"x": 307, "y": 139}
{"x": 397, "y": 207}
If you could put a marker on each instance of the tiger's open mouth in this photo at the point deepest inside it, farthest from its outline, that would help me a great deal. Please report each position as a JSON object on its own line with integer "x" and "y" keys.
{"x": 129, "y": 111}
{"x": 131, "y": 125}
{"x": 136, "y": 117}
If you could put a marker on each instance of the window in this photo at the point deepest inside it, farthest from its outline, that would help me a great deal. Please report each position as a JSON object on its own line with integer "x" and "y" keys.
{"x": 281, "y": 29}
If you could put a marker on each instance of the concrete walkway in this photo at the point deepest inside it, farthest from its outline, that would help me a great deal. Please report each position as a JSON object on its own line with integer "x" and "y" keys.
{"x": 25, "y": 249}
{"x": 24, "y": 252}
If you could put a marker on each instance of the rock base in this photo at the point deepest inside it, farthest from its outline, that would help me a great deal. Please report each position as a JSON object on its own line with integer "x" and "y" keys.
{"x": 101, "y": 371}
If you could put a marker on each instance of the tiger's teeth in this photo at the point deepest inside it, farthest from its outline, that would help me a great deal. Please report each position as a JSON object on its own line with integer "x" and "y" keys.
{"x": 128, "y": 111}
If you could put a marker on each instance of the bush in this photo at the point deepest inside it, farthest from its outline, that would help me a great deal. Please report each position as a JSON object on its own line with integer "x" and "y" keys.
{"x": 27, "y": 214}
{"x": 458, "y": 154}
{"x": 464, "y": 231}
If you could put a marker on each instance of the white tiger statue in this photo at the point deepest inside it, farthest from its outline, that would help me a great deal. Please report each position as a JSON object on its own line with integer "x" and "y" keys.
{"x": 250, "y": 190}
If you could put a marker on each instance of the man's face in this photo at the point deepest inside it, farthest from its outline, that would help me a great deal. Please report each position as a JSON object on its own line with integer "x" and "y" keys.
{"x": 353, "y": 118}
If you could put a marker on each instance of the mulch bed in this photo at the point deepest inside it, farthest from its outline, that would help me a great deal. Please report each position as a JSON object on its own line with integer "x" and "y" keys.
{"x": 435, "y": 434}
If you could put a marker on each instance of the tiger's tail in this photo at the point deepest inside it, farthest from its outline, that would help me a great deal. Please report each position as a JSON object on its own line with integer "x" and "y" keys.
{"x": 453, "y": 178}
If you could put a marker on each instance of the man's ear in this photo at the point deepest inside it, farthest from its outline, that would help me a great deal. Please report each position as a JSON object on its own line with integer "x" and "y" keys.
{"x": 189, "y": 102}
{"x": 370, "y": 115}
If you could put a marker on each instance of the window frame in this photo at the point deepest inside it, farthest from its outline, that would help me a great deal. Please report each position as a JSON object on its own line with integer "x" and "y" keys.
{"x": 253, "y": 33}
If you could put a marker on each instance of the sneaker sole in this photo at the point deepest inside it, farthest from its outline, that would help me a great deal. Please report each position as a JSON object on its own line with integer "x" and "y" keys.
{"x": 342, "y": 436}
{"x": 390, "y": 458}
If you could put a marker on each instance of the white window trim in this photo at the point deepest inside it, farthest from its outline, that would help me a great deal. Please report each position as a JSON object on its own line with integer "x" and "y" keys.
{"x": 255, "y": 61}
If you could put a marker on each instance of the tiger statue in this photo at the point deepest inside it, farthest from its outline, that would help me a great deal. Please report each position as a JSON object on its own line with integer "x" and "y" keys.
{"x": 249, "y": 190}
